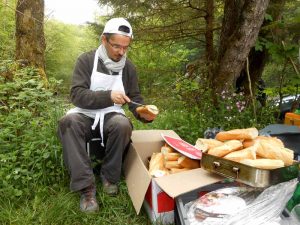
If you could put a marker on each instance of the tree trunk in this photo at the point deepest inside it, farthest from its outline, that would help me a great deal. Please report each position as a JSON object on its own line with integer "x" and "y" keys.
{"x": 258, "y": 59}
{"x": 209, "y": 38}
{"x": 241, "y": 25}
{"x": 30, "y": 41}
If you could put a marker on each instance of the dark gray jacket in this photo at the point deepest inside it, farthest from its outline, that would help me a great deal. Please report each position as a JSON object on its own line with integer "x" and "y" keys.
{"x": 83, "y": 97}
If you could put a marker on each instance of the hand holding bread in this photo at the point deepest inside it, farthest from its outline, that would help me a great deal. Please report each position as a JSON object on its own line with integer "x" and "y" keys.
{"x": 147, "y": 112}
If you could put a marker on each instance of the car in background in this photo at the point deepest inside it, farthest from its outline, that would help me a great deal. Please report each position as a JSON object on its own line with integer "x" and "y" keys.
{"x": 287, "y": 104}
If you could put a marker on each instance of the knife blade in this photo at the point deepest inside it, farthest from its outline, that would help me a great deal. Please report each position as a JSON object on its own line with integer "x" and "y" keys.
{"x": 136, "y": 103}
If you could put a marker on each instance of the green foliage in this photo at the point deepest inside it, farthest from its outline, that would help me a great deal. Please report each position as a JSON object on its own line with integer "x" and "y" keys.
{"x": 30, "y": 153}
{"x": 268, "y": 17}
{"x": 158, "y": 66}
{"x": 65, "y": 42}
{"x": 282, "y": 47}
{"x": 7, "y": 30}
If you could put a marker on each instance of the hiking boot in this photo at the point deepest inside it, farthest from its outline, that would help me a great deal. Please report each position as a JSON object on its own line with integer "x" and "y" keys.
{"x": 88, "y": 201}
{"x": 109, "y": 188}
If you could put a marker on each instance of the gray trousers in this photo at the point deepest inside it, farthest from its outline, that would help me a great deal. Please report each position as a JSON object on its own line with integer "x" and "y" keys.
{"x": 74, "y": 131}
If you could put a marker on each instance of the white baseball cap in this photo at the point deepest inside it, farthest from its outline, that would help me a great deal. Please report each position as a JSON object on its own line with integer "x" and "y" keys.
{"x": 118, "y": 26}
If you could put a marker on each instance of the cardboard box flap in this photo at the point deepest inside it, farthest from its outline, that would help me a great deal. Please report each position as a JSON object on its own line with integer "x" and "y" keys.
{"x": 137, "y": 178}
{"x": 180, "y": 183}
{"x": 145, "y": 136}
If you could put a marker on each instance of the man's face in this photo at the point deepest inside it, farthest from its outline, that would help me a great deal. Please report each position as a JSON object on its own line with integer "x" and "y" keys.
{"x": 116, "y": 46}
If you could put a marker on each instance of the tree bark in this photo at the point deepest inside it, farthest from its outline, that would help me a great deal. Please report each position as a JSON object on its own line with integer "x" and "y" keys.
{"x": 209, "y": 35}
{"x": 241, "y": 25}
{"x": 30, "y": 40}
{"x": 258, "y": 59}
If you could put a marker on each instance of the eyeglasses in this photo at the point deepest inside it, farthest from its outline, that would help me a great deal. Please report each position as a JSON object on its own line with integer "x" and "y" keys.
{"x": 117, "y": 47}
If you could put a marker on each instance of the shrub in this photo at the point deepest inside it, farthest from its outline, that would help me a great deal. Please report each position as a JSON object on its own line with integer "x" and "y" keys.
{"x": 30, "y": 153}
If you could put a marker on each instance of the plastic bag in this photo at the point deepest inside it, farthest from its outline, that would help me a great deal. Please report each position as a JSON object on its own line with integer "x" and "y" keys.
{"x": 266, "y": 207}
{"x": 210, "y": 208}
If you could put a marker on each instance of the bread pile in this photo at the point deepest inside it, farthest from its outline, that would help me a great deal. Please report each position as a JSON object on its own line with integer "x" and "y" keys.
{"x": 245, "y": 146}
{"x": 169, "y": 161}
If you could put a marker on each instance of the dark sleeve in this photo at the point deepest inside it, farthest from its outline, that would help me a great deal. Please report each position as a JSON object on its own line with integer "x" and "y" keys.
{"x": 81, "y": 95}
{"x": 132, "y": 89}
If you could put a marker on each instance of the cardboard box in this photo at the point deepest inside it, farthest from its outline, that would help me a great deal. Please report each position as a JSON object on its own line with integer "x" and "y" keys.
{"x": 158, "y": 194}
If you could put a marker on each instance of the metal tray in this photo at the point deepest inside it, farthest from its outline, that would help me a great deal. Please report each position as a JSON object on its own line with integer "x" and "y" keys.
{"x": 246, "y": 174}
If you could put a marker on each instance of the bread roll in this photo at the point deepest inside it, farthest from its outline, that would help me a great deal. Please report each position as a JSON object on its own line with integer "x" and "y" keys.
{"x": 152, "y": 110}
{"x": 226, "y": 148}
{"x": 263, "y": 163}
{"x": 237, "y": 134}
{"x": 206, "y": 144}
{"x": 268, "y": 150}
{"x": 246, "y": 153}
{"x": 186, "y": 162}
{"x": 156, "y": 163}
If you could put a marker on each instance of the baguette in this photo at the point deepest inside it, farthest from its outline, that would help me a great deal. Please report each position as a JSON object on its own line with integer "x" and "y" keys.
{"x": 172, "y": 156}
{"x": 172, "y": 164}
{"x": 226, "y": 148}
{"x": 248, "y": 143}
{"x": 166, "y": 149}
{"x": 272, "y": 140}
{"x": 206, "y": 144}
{"x": 238, "y": 134}
{"x": 201, "y": 146}
{"x": 263, "y": 163}
{"x": 186, "y": 162}
{"x": 270, "y": 151}
{"x": 176, "y": 170}
{"x": 234, "y": 144}
{"x": 156, "y": 163}
{"x": 246, "y": 153}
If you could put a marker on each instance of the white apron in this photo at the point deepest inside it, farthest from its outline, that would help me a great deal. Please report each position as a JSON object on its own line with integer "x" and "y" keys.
{"x": 103, "y": 82}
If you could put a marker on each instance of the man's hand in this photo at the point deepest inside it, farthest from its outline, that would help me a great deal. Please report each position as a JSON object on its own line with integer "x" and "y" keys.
{"x": 119, "y": 97}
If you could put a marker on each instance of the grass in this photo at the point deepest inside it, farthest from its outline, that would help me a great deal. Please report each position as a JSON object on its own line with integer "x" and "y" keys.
{"x": 60, "y": 206}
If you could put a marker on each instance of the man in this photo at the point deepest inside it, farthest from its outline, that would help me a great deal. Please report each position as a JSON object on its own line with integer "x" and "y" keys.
{"x": 103, "y": 81}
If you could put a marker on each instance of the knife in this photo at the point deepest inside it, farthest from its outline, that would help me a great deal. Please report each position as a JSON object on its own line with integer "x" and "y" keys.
{"x": 136, "y": 103}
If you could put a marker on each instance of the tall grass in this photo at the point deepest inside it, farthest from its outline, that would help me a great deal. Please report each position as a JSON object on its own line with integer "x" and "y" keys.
{"x": 53, "y": 207}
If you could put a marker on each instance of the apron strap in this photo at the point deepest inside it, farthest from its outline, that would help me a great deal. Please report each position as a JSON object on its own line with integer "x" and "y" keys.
{"x": 100, "y": 119}
{"x": 101, "y": 128}
{"x": 96, "y": 121}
